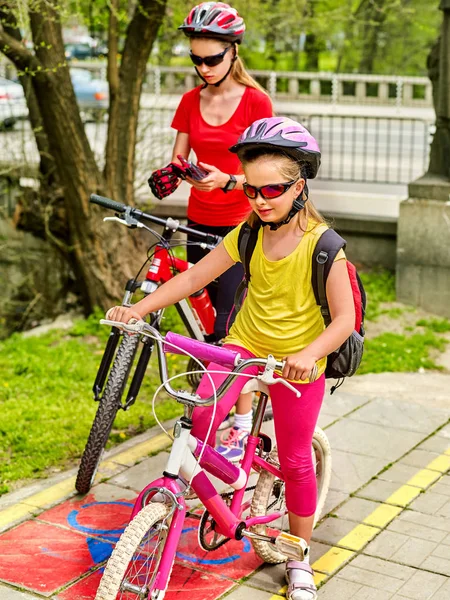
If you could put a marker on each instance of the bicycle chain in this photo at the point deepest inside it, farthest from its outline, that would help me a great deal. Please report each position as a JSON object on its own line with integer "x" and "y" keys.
{"x": 204, "y": 520}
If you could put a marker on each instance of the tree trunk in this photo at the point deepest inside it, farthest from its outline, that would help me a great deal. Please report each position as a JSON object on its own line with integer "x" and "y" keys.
{"x": 374, "y": 16}
{"x": 103, "y": 258}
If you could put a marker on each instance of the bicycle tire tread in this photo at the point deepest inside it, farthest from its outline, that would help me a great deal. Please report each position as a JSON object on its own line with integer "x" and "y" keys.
{"x": 106, "y": 413}
{"x": 126, "y": 547}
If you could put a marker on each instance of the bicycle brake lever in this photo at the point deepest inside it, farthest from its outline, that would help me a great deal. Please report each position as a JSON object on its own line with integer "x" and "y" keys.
{"x": 135, "y": 327}
{"x": 128, "y": 223}
{"x": 268, "y": 378}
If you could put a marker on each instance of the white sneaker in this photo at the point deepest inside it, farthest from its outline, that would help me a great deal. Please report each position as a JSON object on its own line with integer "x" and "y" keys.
{"x": 232, "y": 444}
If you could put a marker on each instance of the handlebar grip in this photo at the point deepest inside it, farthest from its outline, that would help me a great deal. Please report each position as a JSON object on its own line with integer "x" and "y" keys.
{"x": 201, "y": 350}
{"x": 107, "y": 203}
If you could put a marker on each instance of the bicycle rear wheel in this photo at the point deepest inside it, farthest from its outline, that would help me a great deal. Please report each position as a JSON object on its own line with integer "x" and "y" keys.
{"x": 107, "y": 409}
{"x": 269, "y": 496}
{"x": 134, "y": 564}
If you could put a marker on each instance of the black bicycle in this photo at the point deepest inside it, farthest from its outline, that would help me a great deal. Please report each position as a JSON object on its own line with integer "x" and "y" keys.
{"x": 197, "y": 314}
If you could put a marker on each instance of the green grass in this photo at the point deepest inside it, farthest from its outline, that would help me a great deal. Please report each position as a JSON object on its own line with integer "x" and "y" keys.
{"x": 396, "y": 352}
{"x": 436, "y": 325}
{"x": 393, "y": 352}
{"x": 380, "y": 287}
{"x": 46, "y": 399}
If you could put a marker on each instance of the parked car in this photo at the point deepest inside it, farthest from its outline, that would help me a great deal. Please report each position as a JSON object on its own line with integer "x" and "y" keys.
{"x": 78, "y": 51}
{"x": 85, "y": 50}
{"x": 92, "y": 94}
{"x": 13, "y": 105}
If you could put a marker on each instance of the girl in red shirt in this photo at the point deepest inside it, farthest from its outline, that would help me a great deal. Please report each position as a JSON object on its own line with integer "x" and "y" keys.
{"x": 209, "y": 119}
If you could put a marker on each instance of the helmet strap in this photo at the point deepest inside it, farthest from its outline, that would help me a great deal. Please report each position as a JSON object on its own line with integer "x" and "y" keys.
{"x": 297, "y": 206}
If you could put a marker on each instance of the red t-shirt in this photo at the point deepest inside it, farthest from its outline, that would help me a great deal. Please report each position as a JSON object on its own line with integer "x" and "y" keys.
{"x": 210, "y": 144}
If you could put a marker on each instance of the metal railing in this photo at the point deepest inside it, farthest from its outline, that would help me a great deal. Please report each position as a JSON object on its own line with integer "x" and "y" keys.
{"x": 354, "y": 149}
{"x": 334, "y": 88}
{"x": 371, "y": 149}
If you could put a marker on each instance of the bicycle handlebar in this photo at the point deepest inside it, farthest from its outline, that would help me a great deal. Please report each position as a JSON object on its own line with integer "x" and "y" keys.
{"x": 221, "y": 355}
{"x": 139, "y": 215}
{"x": 107, "y": 203}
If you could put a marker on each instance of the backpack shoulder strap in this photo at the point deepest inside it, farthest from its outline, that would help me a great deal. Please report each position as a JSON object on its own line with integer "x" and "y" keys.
{"x": 248, "y": 236}
{"x": 324, "y": 254}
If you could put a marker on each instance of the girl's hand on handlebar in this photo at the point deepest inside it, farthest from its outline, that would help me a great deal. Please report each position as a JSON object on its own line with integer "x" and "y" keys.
{"x": 299, "y": 366}
{"x": 214, "y": 180}
{"x": 122, "y": 314}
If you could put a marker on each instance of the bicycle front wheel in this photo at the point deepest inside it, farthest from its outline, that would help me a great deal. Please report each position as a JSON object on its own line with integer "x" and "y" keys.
{"x": 134, "y": 564}
{"x": 269, "y": 496}
{"x": 109, "y": 404}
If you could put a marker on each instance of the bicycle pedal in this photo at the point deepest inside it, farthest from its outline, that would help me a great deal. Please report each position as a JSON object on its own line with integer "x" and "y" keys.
{"x": 294, "y": 547}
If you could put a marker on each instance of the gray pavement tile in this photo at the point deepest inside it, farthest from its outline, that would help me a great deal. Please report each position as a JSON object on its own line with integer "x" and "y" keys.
{"x": 338, "y": 589}
{"x": 418, "y": 458}
{"x": 244, "y": 592}
{"x": 421, "y": 532}
{"x": 7, "y": 593}
{"x": 371, "y": 440}
{"x": 387, "y": 544}
{"x": 429, "y": 503}
{"x": 271, "y": 577}
{"x": 340, "y": 404}
{"x": 438, "y": 564}
{"x": 422, "y": 585}
{"x": 401, "y": 415}
{"x": 351, "y": 471}
{"x": 334, "y": 498}
{"x": 443, "y": 593}
{"x": 325, "y": 420}
{"x": 356, "y": 509}
{"x": 442, "y": 487}
{"x": 392, "y": 575}
{"x": 445, "y": 432}
{"x": 380, "y": 490}
{"x": 137, "y": 477}
{"x": 436, "y": 522}
{"x": 413, "y": 552}
{"x": 332, "y": 530}
{"x": 403, "y": 473}
{"x": 372, "y": 579}
{"x": 435, "y": 443}
{"x": 108, "y": 492}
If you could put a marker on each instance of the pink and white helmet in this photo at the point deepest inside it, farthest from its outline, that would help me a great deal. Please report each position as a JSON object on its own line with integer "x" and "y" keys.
{"x": 216, "y": 20}
{"x": 285, "y": 134}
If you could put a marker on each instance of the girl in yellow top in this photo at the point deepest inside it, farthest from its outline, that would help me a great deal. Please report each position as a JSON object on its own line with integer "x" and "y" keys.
{"x": 280, "y": 315}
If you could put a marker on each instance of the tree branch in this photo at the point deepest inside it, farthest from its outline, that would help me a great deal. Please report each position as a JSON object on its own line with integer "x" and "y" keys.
{"x": 23, "y": 59}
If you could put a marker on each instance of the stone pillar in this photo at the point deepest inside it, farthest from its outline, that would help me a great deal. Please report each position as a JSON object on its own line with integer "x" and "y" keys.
{"x": 423, "y": 246}
{"x": 423, "y": 242}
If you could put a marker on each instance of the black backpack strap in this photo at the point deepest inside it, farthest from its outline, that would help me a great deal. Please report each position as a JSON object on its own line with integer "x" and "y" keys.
{"x": 324, "y": 254}
{"x": 248, "y": 236}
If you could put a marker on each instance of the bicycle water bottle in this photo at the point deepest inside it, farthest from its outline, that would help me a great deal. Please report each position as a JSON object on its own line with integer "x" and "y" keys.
{"x": 203, "y": 311}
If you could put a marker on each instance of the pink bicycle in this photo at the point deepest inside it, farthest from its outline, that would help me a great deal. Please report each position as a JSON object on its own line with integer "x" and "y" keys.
{"x": 141, "y": 563}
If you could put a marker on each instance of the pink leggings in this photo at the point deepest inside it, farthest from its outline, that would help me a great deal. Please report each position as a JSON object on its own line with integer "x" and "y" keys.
{"x": 294, "y": 419}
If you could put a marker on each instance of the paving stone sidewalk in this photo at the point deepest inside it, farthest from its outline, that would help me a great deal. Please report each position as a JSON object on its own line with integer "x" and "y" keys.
{"x": 386, "y": 535}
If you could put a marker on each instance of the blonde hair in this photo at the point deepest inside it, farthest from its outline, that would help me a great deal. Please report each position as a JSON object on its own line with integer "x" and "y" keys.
{"x": 242, "y": 76}
{"x": 291, "y": 170}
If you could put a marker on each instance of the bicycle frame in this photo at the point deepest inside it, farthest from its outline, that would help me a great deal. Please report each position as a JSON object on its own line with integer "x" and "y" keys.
{"x": 183, "y": 459}
{"x": 198, "y": 321}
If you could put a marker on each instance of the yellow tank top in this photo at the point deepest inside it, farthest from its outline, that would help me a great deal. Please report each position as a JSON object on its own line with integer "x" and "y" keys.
{"x": 279, "y": 315}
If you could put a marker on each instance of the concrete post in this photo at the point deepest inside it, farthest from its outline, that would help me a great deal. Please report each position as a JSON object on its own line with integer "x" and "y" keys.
{"x": 314, "y": 89}
{"x": 293, "y": 87}
{"x": 383, "y": 92}
{"x": 360, "y": 94}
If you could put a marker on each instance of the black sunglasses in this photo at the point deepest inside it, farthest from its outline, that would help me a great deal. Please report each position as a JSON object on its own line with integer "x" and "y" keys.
{"x": 210, "y": 61}
{"x": 268, "y": 192}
